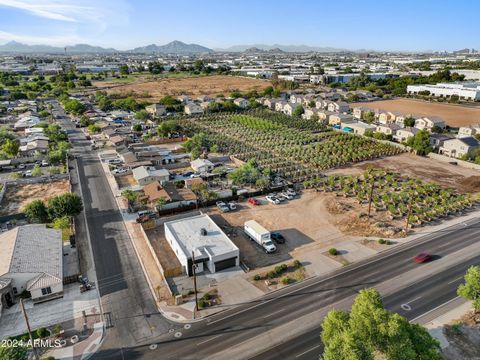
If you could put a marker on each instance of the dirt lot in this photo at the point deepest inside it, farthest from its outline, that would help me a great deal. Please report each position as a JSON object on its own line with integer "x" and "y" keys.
{"x": 463, "y": 337}
{"x": 125, "y": 181}
{"x": 192, "y": 86}
{"x": 305, "y": 222}
{"x": 17, "y": 197}
{"x": 460, "y": 178}
{"x": 454, "y": 115}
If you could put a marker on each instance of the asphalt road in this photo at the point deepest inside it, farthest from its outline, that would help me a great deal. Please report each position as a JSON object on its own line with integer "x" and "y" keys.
{"x": 222, "y": 332}
{"x": 126, "y": 299}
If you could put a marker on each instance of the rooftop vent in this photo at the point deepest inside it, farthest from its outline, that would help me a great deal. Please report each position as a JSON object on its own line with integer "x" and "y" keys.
{"x": 203, "y": 232}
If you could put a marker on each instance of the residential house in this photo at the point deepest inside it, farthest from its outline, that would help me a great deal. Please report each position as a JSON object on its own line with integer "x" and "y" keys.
{"x": 201, "y": 165}
{"x": 309, "y": 113}
{"x": 184, "y": 99}
{"x": 26, "y": 122}
{"x": 31, "y": 259}
{"x": 337, "y": 119}
{"x": 173, "y": 196}
{"x": 279, "y": 105}
{"x": 459, "y": 147}
{"x": 341, "y": 107}
{"x": 117, "y": 140}
{"x": 241, "y": 102}
{"x": 146, "y": 174}
{"x": 33, "y": 147}
{"x": 193, "y": 109}
{"x": 437, "y": 140}
{"x": 189, "y": 183}
{"x": 429, "y": 123}
{"x": 387, "y": 129}
{"x": 270, "y": 103}
{"x": 465, "y": 131}
{"x": 358, "y": 127}
{"x": 156, "y": 110}
{"x": 289, "y": 108}
{"x": 324, "y": 115}
{"x": 359, "y": 111}
{"x": 204, "y": 98}
{"x": 386, "y": 117}
{"x": 403, "y": 134}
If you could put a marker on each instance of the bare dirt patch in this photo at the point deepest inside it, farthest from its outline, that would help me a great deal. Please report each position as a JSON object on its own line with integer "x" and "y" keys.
{"x": 125, "y": 181}
{"x": 463, "y": 338}
{"x": 18, "y": 196}
{"x": 192, "y": 86}
{"x": 460, "y": 178}
{"x": 454, "y": 115}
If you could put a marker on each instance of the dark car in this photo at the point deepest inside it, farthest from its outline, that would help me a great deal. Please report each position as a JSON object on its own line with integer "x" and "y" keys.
{"x": 277, "y": 237}
{"x": 422, "y": 257}
{"x": 187, "y": 174}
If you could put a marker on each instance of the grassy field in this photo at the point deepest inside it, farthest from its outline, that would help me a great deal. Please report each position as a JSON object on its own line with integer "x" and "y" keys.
{"x": 454, "y": 115}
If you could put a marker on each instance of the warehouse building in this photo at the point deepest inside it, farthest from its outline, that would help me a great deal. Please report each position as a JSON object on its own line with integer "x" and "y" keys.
{"x": 212, "y": 249}
{"x": 467, "y": 90}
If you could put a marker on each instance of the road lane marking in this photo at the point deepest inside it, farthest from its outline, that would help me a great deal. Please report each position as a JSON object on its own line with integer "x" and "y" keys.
{"x": 311, "y": 349}
{"x": 275, "y": 312}
{"x": 212, "y": 338}
{"x": 455, "y": 280}
{"x": 418, "y": 297}
{"x": 406, "y": 307}
{"x": 438, "y": 307}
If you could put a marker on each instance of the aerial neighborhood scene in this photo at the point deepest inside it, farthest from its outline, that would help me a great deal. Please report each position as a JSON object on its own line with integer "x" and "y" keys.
{"x": 237, "y": 181}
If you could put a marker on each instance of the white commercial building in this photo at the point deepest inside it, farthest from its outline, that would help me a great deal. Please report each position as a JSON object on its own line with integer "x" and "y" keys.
{"x": 467, "y": 90}
{"x": 199, "y": 234}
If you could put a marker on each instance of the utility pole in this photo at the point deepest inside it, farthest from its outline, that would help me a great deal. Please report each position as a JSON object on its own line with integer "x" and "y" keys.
{"x": 194, "y": 268}
{"x": 28, "y": 328}
{"x": 408, "y": 216}
{"x": 370, "y": 197}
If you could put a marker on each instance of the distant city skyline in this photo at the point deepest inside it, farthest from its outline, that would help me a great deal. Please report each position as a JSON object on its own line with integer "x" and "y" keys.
{"x": 124, "y": 24}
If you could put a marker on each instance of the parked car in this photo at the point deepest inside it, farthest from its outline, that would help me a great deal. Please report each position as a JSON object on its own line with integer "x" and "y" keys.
{"x": 277, "y": 237}
{"x": 223, "y": 206}
{"x": 28, "y": 173}
{"x": 45, "y": 163}
{"x": 21, "y": 166}
{"x": 272, "y": 199}
{"x": 195, "y": 176}
{"x": 291, "y": 192}
{"x": 113, "y": 161}
{"x": 232, "y": 205}
{"x": 253, "y": 201}
{"x": 119, "y": 171}
{"x": 287, "y": 196}
{"x": 188, "y": 174}
{"x": 280, "y": 197}
{"x": 422, "y": 257}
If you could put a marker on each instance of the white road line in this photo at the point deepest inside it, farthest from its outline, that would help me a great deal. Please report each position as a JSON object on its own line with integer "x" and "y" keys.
{"x": 212, "y": 338}
{"x": 303, "y": 353}
{"x": 275, "y": 312}
{"x": 455, "y": 280}
{"x": 438, "y": 307}
{"x": 418, "y": 297}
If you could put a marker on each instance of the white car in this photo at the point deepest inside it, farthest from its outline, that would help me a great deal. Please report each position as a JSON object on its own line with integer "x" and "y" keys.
{"x": 286, "y": 195}
{"x": 232, "y": 205}
{"x": 291, "y": 192}
{"x": 119, "y": 171}
{"x": 113, "y": 161}
{"x": 45, "y": 163}
{"x": 28, "y": 173}
{"x": 272, "y": 199}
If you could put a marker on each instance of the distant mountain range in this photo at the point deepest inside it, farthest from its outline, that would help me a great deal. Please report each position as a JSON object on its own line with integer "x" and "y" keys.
{"x": 285, "y": 48}
{"x": 174, "y": 47}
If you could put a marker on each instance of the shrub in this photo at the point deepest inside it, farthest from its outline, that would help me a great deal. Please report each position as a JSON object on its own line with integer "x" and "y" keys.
{"x": 333, "y": 251}
{"x": 191, "y": 292}
{"x": 57, "y": 329}
{"x": 206, "y": 296}
{"x": 297, "y": 263}
{"x": 202, "y": 303}
{"x": 42, "y": 332}
{"x": 286, "y": 280}
{"x": 271, "y": 274}
{"x": 382, "y": 241}
{"x": 257, "y": 277}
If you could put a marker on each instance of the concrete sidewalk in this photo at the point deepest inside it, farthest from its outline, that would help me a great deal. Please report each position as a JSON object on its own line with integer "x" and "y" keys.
{"x": 82, "y": 350}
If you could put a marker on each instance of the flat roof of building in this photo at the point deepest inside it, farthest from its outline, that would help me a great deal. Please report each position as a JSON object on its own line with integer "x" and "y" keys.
{"x": 187, "y": 233}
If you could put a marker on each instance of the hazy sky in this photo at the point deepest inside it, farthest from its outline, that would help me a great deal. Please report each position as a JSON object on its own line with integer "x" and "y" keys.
{"x": 353, "y": 24}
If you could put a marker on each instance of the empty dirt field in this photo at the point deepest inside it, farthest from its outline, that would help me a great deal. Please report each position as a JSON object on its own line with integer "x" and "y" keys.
{"x": 448, "y": 175}
{"x": 192, "y": 86}
{"x": 454, "y": 115}
{"x": 18, "y": 196}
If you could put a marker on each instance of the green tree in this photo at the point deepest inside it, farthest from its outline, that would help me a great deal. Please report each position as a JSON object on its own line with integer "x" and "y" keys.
{"x": 10, "y": 147}
{"x": 61, "y": 222}
{"x": 130, "y": 196}
{"x": 142, "y": 115}
{"x": 36, "y": 212}
{"x": 298, "y": 110}
{"x": 13, "y": 353}
{"x": 93, "y": 129}
{"x": 161, "y": 202}
{"x": 137, "y": 127}
{"x": 369, "y": 331}
{"x": 409, "y": 122}
{"x": 36, "y": 171}
{"x": 420, "y": 142}
{"x": 68, "y": 204}
{"x": 471, "y": 289}
{"x": 124, "y": 70}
